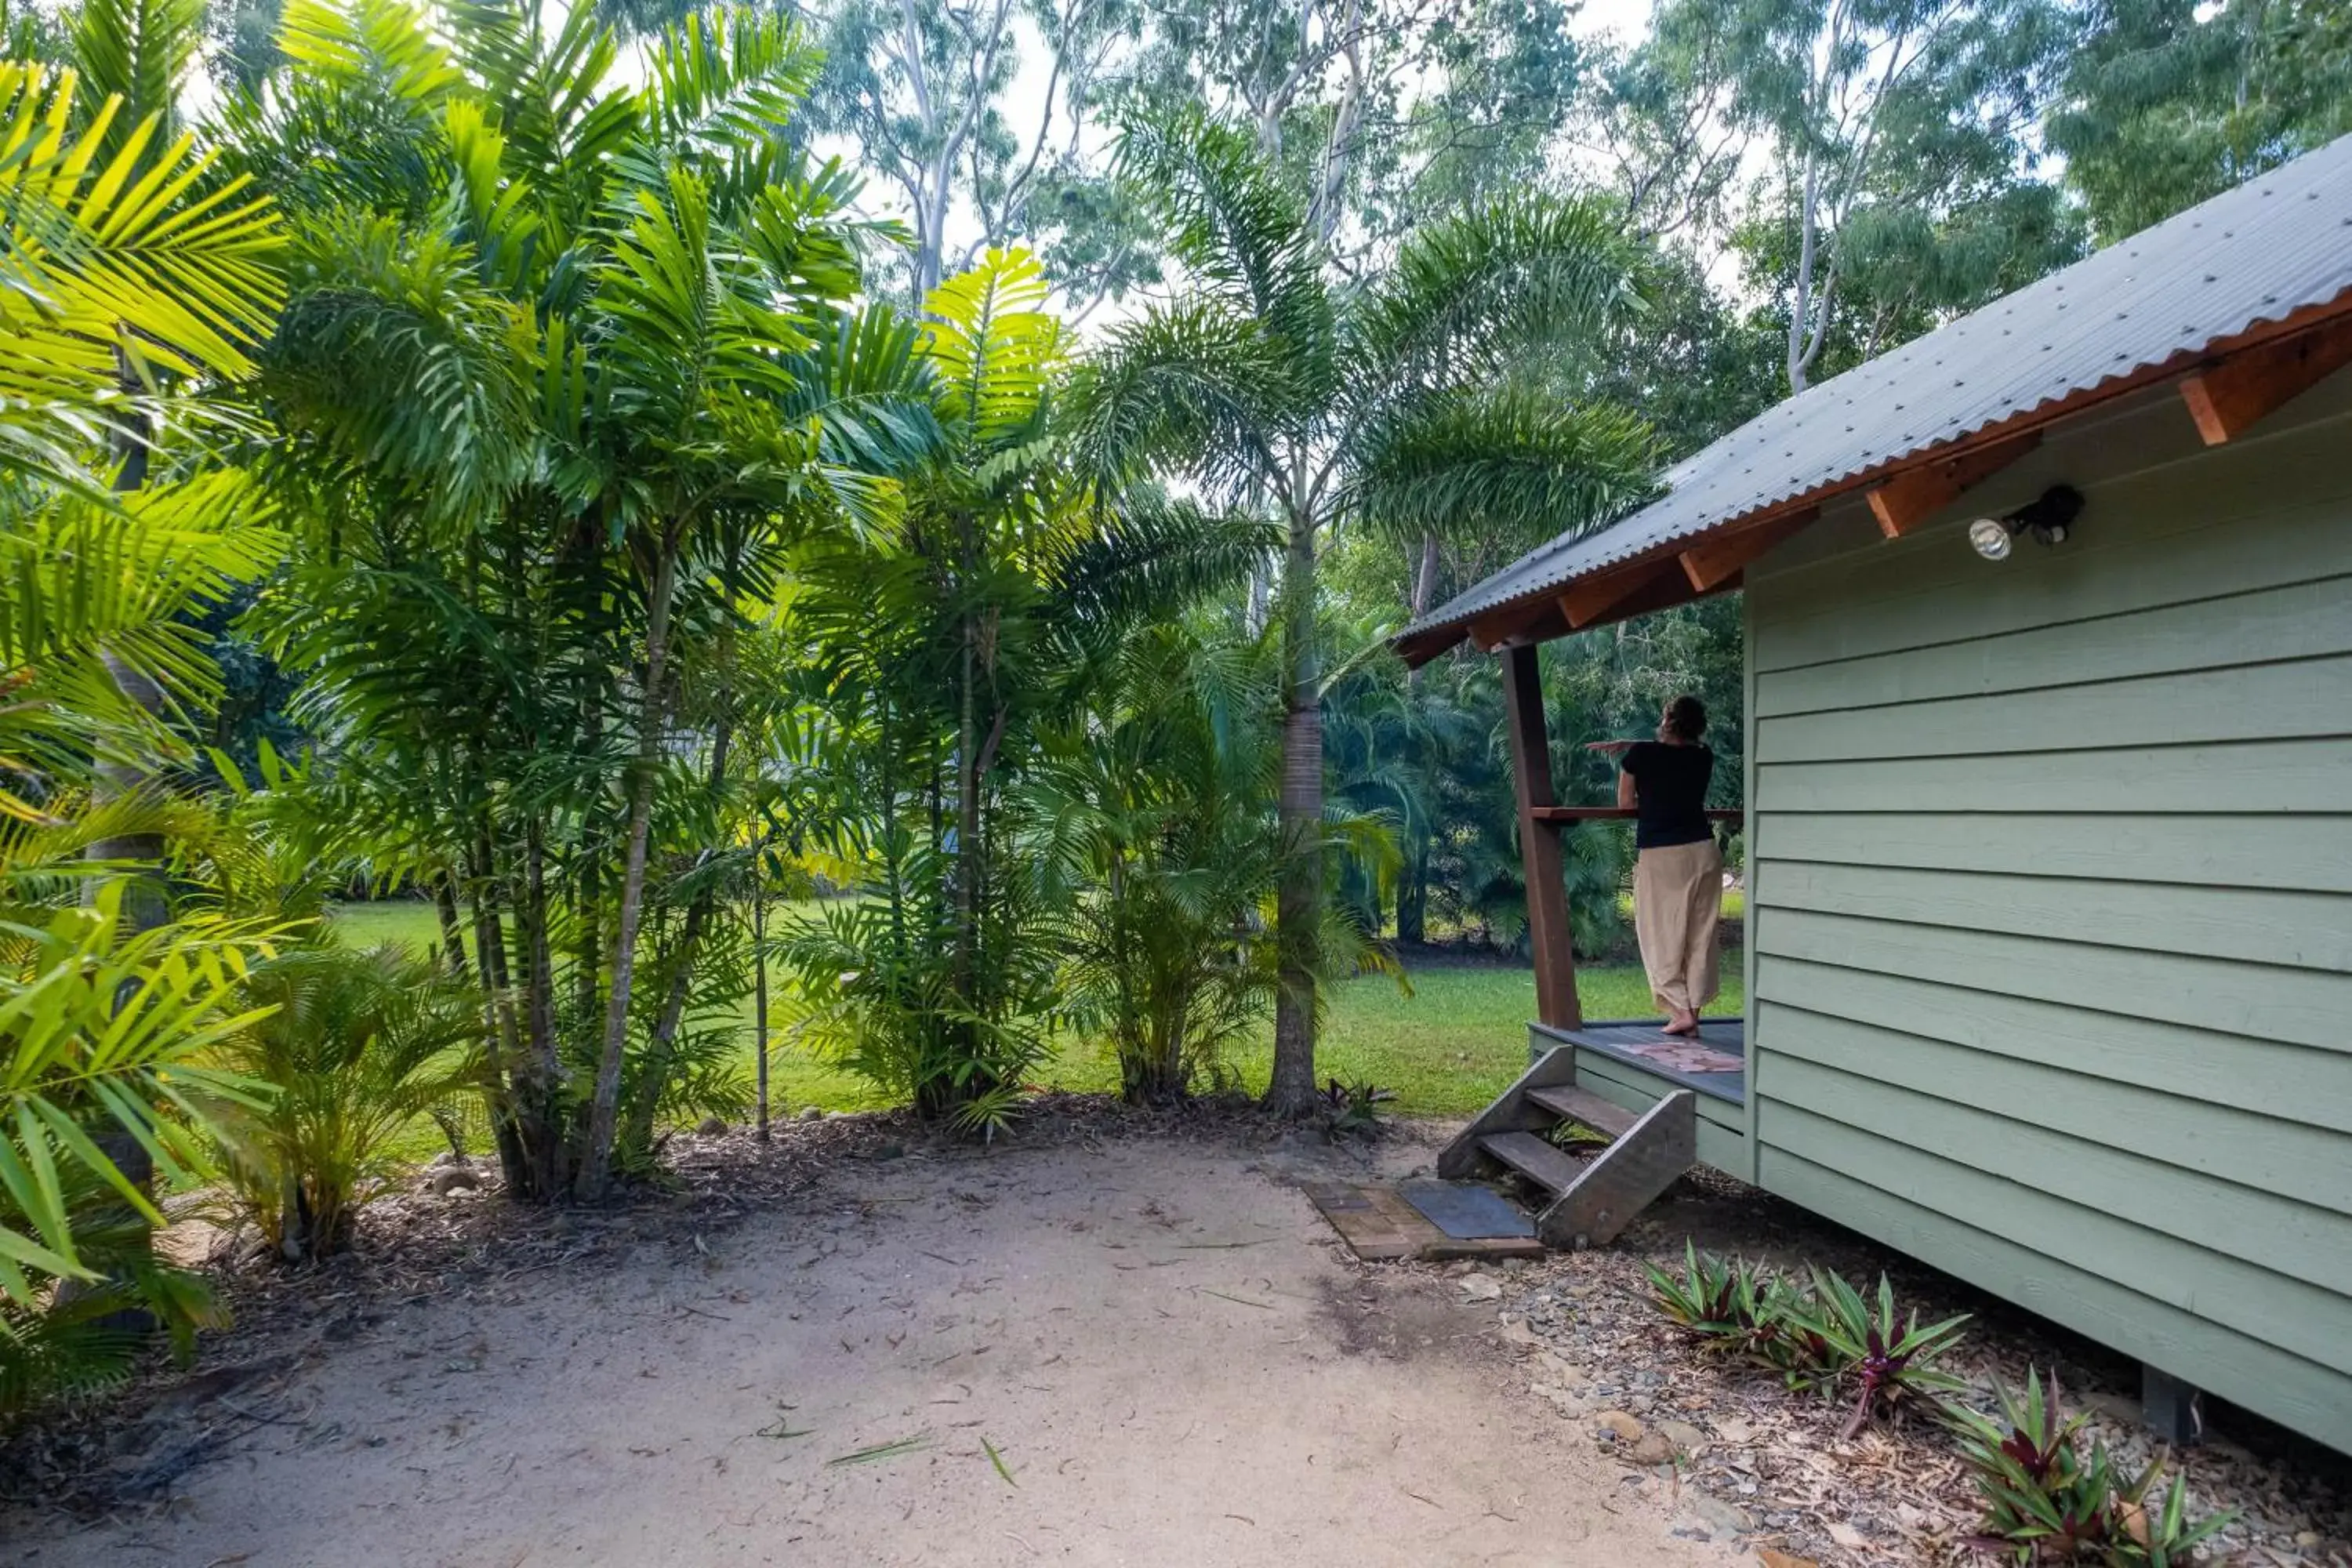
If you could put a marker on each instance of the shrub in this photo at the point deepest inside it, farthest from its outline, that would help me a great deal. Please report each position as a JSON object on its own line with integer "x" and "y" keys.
{"x": 2045, "y": 1503}
{"x": 85, "y": 1336}
{"x": 1352, "y": 1109}
{"x": 358, "y": 1043}
{"x": 1889, "y": 1367}
{"x": 1813, "y": 1336}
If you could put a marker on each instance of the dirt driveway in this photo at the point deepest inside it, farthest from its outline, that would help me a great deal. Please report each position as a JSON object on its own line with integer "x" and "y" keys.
{"x": 1154, "y": 1341}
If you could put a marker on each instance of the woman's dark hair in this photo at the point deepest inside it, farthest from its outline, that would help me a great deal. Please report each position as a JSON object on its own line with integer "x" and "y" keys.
{"x": 1685, "y": 719}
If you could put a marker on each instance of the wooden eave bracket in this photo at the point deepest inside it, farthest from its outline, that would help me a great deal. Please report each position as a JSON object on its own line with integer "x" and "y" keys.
{"x": 1711, "y": 562}
{"x": 1909, "y": 499}
{"x": 2229, "y": 398}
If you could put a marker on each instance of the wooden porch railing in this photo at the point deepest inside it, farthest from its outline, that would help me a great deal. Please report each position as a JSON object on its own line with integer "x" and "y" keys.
{"x": 1613, "y": 812}
{"x": 1541, "y": 822}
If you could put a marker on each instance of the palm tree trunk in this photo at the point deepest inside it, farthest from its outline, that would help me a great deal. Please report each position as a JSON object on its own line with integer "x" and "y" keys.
{"x": 593, "y": 1171}
{"x": 1413, "y": 894}
{"x": 1298, "y": 895}
{"x": 664, "y": 1039}
{"x": 452, "y": 937}
{"x": 540, "y": 1075}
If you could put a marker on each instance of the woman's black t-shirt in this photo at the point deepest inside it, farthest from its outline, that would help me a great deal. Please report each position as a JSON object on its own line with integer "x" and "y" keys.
{"x": 1672, "y": 792}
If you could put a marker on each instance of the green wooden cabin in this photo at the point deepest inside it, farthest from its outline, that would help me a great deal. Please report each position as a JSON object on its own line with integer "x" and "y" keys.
{"x": 2049, "y": 945}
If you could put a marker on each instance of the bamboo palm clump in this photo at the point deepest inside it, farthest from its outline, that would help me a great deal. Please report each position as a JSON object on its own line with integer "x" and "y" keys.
{"x": 962, "y": 660}
{"x": 539, "y": 542}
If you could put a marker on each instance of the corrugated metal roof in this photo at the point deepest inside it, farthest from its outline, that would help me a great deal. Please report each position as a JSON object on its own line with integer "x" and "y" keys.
{"x": 2277, "y": 245}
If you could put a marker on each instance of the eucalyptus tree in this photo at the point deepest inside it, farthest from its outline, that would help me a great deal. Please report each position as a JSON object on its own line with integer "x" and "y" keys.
{"x": 590, "y": 427}
{"x": 2167, "y": 102}
{"x": 1411, "y": 404}
{"x": 1901, "y": 132}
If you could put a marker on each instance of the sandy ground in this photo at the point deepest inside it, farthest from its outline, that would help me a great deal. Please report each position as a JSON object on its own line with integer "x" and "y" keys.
{"x": 1160, "y": 1343}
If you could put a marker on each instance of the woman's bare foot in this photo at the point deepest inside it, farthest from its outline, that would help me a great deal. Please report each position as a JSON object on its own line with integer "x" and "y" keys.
{"x": 1683, "y": 1023}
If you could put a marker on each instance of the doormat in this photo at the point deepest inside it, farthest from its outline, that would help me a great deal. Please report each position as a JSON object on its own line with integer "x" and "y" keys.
{"x": 1467, "y": 1211}
{"x": 1377, "y": 1222}
{"x": 1680, "y": 1056}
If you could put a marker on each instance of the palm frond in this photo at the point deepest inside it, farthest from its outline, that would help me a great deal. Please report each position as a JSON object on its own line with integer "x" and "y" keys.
{"x": 1514, "y": 279}
{"x": 139, "y": 53}
{"x": 1511, "y": 461}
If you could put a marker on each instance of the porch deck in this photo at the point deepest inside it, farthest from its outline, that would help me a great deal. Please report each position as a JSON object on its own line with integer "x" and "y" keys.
{"x": 1714, "y": 1064}
{"x": 1634, "y": 1064}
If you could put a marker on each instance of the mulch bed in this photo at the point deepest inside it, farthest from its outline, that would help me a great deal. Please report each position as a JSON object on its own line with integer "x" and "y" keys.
{"x": 1766, "y": 1465}
{"x": 414, "y": 1246}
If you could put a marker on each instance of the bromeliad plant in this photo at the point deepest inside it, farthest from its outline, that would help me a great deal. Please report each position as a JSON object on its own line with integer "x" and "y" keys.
{"x": 1891, "y": 1366}
{"x": 1352, "y": 1109}
{"x": 2045, "y": 1503}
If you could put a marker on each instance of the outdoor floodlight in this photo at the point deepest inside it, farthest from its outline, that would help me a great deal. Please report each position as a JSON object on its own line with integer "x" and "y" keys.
{"x": 2049, "y": 515}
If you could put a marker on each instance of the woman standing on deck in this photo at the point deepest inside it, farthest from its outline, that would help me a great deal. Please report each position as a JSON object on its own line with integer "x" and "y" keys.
{"x": 1678, "y": 872}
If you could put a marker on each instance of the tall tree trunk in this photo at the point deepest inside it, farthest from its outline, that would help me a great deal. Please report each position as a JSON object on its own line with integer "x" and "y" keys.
{"x": 593, "y": 1173}
{"x": 1424, "y": 576}
{"x": 1299, "y": 897}
{"x": 498, "y": 1016}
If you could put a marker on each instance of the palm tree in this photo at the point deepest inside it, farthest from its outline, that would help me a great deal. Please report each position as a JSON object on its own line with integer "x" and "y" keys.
{"x": 1417, "y": 403}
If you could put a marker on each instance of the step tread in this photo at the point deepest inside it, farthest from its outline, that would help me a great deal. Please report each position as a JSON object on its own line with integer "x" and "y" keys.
{"x": 1534, "y": 1159}
{"x": 1572, "y": 1104}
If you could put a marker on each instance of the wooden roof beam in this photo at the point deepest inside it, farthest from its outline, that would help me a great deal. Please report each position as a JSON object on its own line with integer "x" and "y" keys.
{"x": 1498, "y": 628}
{"x": 1711, "y": 562}
{"x": 2228, "y": 398}
{"x": 1585, "y": 601}
{"x": 1909, "y": 499}
{"x": 1419, "y": 650}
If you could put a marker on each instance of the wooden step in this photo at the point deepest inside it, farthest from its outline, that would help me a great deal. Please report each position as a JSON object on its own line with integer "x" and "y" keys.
{"x": 1581, "y": 1105}
{"x": 1533, "y": 1158}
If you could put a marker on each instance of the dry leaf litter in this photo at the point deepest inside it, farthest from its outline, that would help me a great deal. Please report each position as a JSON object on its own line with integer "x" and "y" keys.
{"x": 1741, "y": 1457}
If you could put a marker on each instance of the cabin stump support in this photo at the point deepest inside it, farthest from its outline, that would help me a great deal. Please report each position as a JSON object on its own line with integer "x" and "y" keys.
{"x": 2171, "y": 1407}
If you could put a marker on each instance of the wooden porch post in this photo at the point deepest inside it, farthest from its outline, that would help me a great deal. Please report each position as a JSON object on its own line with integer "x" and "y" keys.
{"x": 1548, "y": 928}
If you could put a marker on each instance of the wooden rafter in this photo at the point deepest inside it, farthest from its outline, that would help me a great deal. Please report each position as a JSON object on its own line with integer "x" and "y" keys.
{"x": 1711, "y": 562}
{"x": 1908, "y": 498}
{"x": 2228, "y": 398}
{"x": 1585, "y": 601}
{"x": 1498, "y": 628}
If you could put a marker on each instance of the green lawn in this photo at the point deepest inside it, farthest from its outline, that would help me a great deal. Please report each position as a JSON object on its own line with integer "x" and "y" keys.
{"x": 1446, "y": 1048}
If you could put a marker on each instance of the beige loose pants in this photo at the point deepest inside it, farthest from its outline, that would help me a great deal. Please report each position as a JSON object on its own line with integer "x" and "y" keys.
{"x": 1677, "y": 899}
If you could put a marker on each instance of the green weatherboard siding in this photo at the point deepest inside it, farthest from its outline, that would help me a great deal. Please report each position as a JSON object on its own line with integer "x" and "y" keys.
{"x": 2051, "y": 903}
